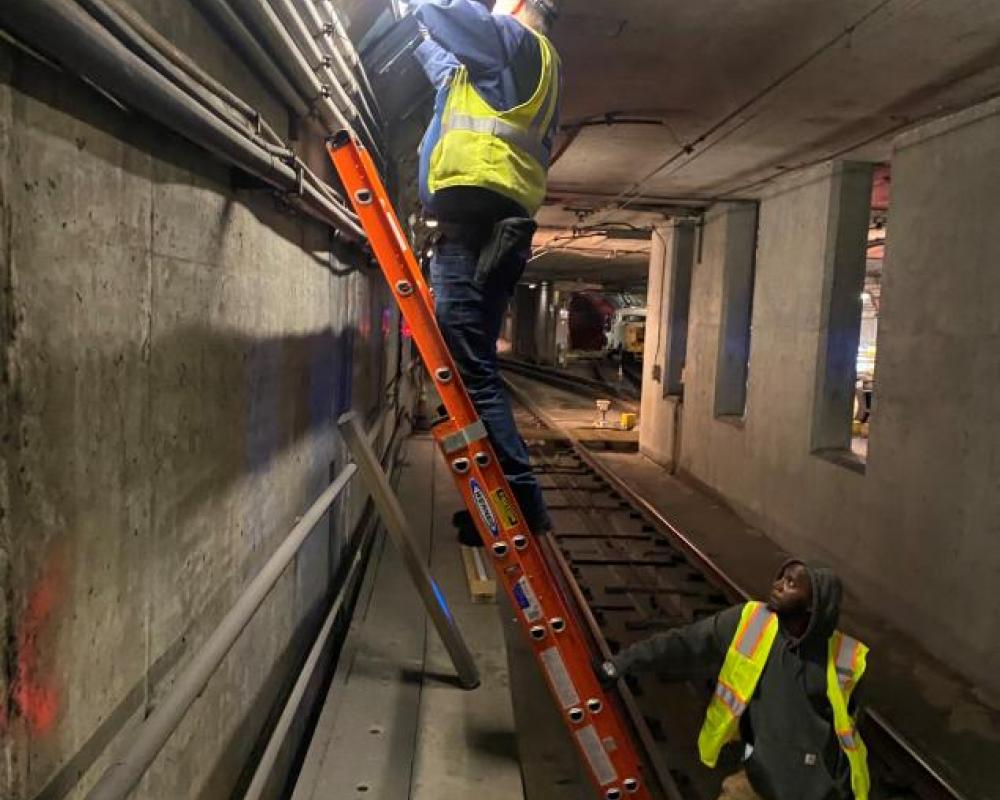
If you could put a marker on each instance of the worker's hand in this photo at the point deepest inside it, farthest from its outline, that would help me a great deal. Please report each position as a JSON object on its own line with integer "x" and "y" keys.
{"x": 607, "y": 673}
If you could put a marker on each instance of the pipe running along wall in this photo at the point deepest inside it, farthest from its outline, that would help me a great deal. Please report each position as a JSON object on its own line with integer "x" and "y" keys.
{"x": 64, "y": 31}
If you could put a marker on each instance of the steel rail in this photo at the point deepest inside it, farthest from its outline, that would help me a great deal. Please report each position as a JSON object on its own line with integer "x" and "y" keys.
{"x": 567, "y": 381}
{"x": 582, "y": 608}
{"x": 933, "y": 785}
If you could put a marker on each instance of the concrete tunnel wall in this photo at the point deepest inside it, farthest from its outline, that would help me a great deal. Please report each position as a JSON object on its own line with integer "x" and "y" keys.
{"x": 176, "y": 353}
{"x": 914, "y": 534}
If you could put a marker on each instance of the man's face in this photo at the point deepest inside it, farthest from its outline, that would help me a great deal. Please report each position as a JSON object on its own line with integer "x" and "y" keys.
{"x": 791, "y": 593}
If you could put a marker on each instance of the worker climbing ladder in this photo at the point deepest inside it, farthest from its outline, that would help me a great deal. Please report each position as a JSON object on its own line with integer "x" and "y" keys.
{"x": 595, "y": 721}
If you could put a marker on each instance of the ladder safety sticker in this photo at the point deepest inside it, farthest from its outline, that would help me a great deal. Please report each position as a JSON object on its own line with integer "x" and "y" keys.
{"x": 561, "y": 682}
{"x": 396, "y": 230}
{"x": 598, "y": 759}
{"x": 507, "y": 514}
{"x": 527, "y": 600}
{"x": 483, "y": 507}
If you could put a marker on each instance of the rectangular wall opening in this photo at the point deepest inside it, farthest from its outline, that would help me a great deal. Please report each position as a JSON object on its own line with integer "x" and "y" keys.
{"x": 845, "y": 370}
{"x": 738, "y": 274}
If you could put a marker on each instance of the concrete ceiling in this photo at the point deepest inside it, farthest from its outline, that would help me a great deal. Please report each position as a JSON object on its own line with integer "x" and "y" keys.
{"x": 755, "y": 87}
{"x": 668, "y": 104}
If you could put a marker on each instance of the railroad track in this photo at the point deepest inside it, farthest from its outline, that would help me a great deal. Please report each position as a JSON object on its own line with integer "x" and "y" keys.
{"x": 602, "y": 385}
{"x": 633, "y": 573}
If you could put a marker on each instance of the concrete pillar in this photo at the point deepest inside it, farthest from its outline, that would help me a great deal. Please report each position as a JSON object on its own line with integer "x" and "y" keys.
{"x": 933, "y": 550}
{"x": 848, "y": 217}
{"x": 667, "y": 299}
{"x": 738, "y": 267}
{"x": 522, "y": 317}
{"x": 535, "y": 322}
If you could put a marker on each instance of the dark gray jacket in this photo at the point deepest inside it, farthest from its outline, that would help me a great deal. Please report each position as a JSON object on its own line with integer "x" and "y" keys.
{"x": 789, "y": 721}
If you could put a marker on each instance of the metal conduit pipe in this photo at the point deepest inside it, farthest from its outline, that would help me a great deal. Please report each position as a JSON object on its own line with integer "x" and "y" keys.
{"x": 149, "y": 737}
{"x": 262, "y": 17}
{"x": 111, "y": 20}
{"x": 180, "y": 60}
{"x": 106, "y": 11}
{"x": 296, "y": 26}
{"x": 63, "y": 29}
{"x": 324, "y": 33}
{"x": 347, "y": 49}
{"x": 250, "y": 48}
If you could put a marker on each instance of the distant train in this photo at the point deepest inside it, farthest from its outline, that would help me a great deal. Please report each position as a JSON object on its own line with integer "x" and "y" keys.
{"x": 613, "y": 323}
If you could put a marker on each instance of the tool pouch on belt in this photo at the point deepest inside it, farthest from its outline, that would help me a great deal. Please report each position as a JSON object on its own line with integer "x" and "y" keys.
{"x": 505, "y": 253}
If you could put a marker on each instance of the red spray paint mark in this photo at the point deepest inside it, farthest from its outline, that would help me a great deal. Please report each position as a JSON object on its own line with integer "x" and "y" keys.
{"x": 31, "y": 695}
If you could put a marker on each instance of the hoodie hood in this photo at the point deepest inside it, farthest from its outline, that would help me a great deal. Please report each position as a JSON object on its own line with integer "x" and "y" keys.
{"x": 827, "y": 592}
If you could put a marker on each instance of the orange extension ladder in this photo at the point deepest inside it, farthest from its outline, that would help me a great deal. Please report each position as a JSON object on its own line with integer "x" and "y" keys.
{"x": 594, "y": 719}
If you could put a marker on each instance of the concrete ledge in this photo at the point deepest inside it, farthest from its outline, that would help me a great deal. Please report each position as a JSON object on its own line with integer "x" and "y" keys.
{"x": 842, "y": 458}
{"x": 947, "y": 124}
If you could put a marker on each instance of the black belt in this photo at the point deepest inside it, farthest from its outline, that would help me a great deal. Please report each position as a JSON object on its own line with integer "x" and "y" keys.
{"x": 471, "y": 233}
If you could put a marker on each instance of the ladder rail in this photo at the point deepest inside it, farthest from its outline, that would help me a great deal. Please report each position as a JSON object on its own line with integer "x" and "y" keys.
{"x": 558, "y": 639}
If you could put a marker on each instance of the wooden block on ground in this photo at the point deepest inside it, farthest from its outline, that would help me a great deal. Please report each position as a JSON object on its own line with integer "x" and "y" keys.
{"x": 482, "y": 586}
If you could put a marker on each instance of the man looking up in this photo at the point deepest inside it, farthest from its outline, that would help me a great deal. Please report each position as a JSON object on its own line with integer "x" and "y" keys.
{"x": 787, "y": 688}
{"x": 483, "y": 167}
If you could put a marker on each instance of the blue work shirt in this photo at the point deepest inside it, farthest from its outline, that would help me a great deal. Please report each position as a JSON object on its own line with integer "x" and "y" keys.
{"x": 503, "y": 58}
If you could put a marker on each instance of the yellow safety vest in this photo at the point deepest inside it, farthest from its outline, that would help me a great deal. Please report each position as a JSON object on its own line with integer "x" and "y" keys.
{"x": 497, "y": 150}
{"x": 745, "y": 661}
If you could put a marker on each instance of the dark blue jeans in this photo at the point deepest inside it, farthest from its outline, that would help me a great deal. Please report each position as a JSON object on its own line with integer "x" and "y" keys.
{"x": 470, "y": 308}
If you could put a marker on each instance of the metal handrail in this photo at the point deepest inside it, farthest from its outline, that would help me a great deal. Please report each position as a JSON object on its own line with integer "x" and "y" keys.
{"x": 125, "y": 772}
{"x": 269, "y": 758}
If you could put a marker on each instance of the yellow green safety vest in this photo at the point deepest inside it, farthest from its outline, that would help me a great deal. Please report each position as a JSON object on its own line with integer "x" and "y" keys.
{"x": 745, "y": 661}
{"x": 498, "y": 150}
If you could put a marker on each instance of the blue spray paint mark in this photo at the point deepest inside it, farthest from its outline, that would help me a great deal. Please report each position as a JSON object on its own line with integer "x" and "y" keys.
{"x": 440, "y": 598}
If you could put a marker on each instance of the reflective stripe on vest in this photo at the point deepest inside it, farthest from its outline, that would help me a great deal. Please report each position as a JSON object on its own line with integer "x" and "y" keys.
{"x": 750, "y": 638}
{"x": 736, "y": 704}
{"x": 745, "y": 661}
{"x": 846, "y": 660}
{"x": 503, "y": 151}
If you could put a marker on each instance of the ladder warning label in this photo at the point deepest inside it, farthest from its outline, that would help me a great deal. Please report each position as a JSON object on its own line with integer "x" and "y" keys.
{"x": 598, "y": 759}
{"x": 507, "y": 514}
{"x": 562, "y": 684}
{"x": 483, "y": 507}
{"x": 527, "y": 600}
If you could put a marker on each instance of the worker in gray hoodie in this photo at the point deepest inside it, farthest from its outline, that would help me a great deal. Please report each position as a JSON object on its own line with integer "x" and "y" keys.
{"x": 787, "y": 688}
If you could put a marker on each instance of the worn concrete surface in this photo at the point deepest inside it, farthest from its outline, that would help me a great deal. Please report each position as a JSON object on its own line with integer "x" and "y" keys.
{"x": 396, "y": 725}
{"x": 778, "y": 83}
{"x": 175, "y": 354}
{"x": 657, "y": 414}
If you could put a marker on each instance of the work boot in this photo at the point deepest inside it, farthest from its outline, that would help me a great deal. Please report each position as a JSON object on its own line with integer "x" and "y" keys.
{"x": 467, "y": 533}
